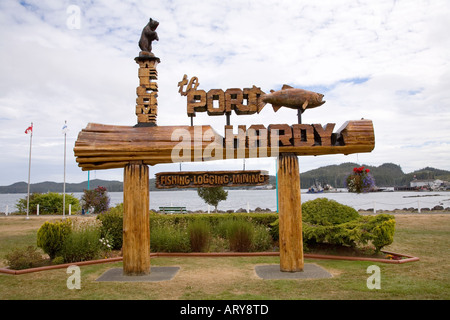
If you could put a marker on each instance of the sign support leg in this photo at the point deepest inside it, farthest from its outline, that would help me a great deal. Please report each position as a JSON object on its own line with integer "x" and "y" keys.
{"x": 136, "y": 224}
{"x": 290, "y": 213}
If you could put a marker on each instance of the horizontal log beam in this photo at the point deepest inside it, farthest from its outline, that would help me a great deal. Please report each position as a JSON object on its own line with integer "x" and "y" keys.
{"x": 108, "y": 146}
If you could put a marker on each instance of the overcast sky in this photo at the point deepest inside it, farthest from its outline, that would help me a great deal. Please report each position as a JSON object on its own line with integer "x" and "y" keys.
{"x": 387, "y": 61}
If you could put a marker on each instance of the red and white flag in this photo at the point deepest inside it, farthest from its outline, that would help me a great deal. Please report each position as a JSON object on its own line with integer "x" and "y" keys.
{"x": 29, "y": 129}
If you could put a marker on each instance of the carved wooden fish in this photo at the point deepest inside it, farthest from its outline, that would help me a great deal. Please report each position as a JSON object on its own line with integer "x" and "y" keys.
{"x": 291, "y": 98}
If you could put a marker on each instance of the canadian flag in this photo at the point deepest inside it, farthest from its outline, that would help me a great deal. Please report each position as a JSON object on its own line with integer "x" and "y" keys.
{"x": 29, "y": 129}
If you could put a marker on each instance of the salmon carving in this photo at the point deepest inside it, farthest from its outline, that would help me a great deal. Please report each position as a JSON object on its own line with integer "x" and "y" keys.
{"x": 291, "y": 98}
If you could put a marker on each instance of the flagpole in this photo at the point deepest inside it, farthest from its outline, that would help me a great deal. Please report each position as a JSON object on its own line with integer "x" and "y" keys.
{"x": 64, "y": 185}
{"x": 276, "y": 181}
{"x": 87, "y": 210}
{"x": 29, "y": 170}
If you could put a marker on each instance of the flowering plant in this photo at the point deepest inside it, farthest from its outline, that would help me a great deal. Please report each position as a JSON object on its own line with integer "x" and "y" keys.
{"x": 360, "y": 180}
{"x": 97, "y": 199}
{"x": 107, "y": 245}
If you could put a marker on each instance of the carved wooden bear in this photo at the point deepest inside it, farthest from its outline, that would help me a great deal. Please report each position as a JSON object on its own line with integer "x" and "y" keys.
{"x": 148, "y": 35}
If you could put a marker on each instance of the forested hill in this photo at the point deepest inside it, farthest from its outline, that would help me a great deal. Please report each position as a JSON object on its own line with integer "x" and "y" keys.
{"x": 47, "y": 186}
{"x": 386, "y": 175}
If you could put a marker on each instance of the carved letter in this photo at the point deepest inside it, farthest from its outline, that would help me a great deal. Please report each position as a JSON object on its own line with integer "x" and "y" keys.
{"x": 196, "y": 101}
{"x": 252, "y": 95}
{"x": 257, "y": 138}
{"x": 233, "y": 100}
{"x": 283, "y": 134}
{"x": 235, "y": 142}
{"x": 181, "y": 84}
{"x": 303, "y": 135}
{"x": 325, "y": 133}
{"x": 215, "y": 94}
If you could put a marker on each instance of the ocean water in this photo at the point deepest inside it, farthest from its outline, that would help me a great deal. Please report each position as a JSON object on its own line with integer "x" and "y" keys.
{"x": 264, "y": 199}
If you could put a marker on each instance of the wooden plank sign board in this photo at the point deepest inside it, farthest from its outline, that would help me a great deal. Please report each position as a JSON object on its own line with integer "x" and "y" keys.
{"x": 107, "y": 146}
{"x": 197, "y": 179}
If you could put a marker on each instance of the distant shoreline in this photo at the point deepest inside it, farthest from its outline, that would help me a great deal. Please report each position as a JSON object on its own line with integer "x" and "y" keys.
{"x": 387, "y": 174}
{"x": 361, "y": 212}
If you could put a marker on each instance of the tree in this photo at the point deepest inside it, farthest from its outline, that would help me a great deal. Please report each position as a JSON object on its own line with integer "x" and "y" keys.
{"x": 97, "y": 199}
{"x": 212, "y": 195}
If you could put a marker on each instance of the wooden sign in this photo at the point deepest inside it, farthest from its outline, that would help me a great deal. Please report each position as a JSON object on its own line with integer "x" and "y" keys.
{"x": 247, "y": 101}
{"x": 107, "y": 146}
{"x": 133, "y": 148}
{"x": 197, "y": 179}
{"x": 217, "y": 102}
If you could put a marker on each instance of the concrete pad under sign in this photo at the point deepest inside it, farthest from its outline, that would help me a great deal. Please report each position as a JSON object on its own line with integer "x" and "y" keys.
{"x": 156, "y": 274}
{"x": 310, "y": 271}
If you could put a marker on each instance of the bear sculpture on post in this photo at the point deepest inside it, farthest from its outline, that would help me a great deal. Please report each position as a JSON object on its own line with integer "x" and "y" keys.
{"x": 148, "y": 36}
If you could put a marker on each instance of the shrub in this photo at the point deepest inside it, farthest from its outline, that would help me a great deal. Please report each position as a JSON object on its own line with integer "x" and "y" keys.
{"x": 24, "y": 258}
{"x": 376, "y": 230}
{"x": 222, "y": 228}
{"x": 49, "y": 203}
{"x": 274, "y": 228}
{"x": 199, "y": 235}
{"x": 327, "y": 221}
{"x": 262, "y": 239}
{"x": 325, "y": 212}
{"x": 58, "y": 260}
{"x": 214, "y": 219}
{"x": 112, "y": 226}
{"x": 82, "y": 245}
{"x": 172, "y": 232}
{"x": 169, "y": 239}
{"x": 21, "y": 204}
{"x": 240, "y": 236}
{"x": 381, "y": 228}
{"x": 51, "y": 236}
{"x": 98, "y": 199}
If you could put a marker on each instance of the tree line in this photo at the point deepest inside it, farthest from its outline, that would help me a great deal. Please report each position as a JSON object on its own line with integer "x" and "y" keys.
{"x": 386, "y": 175}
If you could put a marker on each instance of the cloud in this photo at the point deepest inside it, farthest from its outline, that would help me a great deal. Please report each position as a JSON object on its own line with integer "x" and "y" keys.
{"x": 386, "y": 61}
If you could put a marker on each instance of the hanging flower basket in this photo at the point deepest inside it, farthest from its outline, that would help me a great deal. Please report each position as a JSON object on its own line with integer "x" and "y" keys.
{"x": 360, "y": 181}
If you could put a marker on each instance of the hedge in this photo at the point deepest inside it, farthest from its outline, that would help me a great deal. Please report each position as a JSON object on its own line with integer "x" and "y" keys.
{"x": 324, "y": 221}
{"x": 327, "y": 221}
{"x": 112, "y": 221}
{"x": 49, "y": 203}
{"x": 213, "y": 219}
{"x": 377, "y": 230}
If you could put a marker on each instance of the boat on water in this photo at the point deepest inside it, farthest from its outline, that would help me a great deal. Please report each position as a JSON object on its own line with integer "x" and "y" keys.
{"x": 316, "y": 188}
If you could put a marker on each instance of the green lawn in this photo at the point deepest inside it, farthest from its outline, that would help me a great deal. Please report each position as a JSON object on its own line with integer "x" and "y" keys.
{"x": 426, "y": 236}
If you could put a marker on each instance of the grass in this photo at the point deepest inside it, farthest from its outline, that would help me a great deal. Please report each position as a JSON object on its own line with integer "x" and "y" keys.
{"x": 426, "y": 236}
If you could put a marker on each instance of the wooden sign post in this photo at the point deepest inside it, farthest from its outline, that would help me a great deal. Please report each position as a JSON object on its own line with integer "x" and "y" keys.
{"x": 135, "y": 147}
{"x": 136, "y": 223}
{"x": 290, "y": 213}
